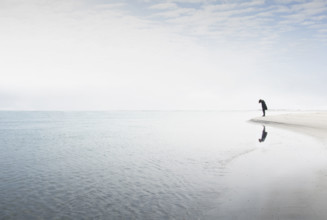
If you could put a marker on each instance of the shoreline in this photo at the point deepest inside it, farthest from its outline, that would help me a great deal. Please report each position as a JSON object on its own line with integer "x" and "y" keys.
{"x": 313, "y": 124}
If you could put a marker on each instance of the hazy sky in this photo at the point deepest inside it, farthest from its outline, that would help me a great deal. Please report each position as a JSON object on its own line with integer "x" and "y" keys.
{"x": 162, "y": 54}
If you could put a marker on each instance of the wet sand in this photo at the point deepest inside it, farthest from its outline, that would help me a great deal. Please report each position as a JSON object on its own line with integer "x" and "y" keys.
{"x": 313, "y": 124}
{"x": 293, "y": 182}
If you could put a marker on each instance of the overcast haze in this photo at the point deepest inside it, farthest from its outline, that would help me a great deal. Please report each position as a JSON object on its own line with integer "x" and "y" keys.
{"x": 173, "y": 54}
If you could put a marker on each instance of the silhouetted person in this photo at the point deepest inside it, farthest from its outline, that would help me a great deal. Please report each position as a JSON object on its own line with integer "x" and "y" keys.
{"x": 264, "y": 135}
{"x": 264, "y": 107}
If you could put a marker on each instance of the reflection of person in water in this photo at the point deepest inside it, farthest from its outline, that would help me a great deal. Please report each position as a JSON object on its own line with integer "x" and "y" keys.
{"x": 264, "y": 107}
{"x": 264, "y": 135}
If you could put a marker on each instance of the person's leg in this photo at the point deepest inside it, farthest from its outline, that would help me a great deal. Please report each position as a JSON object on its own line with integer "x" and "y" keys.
{"x": 264, "y": 112}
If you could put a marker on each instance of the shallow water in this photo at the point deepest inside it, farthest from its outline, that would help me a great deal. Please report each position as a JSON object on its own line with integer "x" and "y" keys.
{"x": 152, "y": 165}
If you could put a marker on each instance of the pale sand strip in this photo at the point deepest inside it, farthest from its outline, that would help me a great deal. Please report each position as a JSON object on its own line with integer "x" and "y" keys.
{"x": 314, "y": 124}
{"x": 311, "y": 120}
{"x": 301, "y": 191}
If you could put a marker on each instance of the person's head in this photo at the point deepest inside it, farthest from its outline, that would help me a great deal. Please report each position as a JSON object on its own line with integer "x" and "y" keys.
{"x": 260, "y": 100}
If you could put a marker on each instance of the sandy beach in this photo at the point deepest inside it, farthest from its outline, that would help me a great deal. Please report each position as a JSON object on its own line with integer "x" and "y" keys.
{"x": 287, "y": 182}
{"x": 310, "y": 123}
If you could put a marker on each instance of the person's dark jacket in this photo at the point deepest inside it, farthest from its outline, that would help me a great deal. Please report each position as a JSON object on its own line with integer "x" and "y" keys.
{"x": 263, "y": 104}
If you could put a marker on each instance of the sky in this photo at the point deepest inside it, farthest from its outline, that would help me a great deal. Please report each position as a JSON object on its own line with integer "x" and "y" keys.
{"x": 162, "y": 54}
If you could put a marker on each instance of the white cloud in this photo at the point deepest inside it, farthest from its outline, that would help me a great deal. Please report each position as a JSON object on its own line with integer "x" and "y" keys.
{"x": 81, "y": 55}
{"x": 164, "y": 6}
{"x": 253, "y": 20}
{"x": 90, "y": 56}
{"x": 289, "y": 1}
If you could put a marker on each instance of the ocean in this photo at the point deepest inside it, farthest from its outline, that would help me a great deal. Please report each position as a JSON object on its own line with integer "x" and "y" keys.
{"x": 155, "y": 165}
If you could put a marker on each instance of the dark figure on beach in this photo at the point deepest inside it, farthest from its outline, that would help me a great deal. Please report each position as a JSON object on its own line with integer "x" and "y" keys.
{"x": 264, "y": 135}
{"x": 264, "y": 107}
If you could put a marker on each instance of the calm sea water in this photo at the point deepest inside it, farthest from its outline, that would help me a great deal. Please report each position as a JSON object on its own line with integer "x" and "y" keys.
{"x": 135, "y": 165}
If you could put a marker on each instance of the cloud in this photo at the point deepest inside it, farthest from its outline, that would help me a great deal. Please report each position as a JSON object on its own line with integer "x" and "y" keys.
{"x": 156, "y": 54}
{"x": 289, "y": 1}
{"x": 92, "y": 54}
{"x": 164, "y": 6}
{"x": 254, "y": 21}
